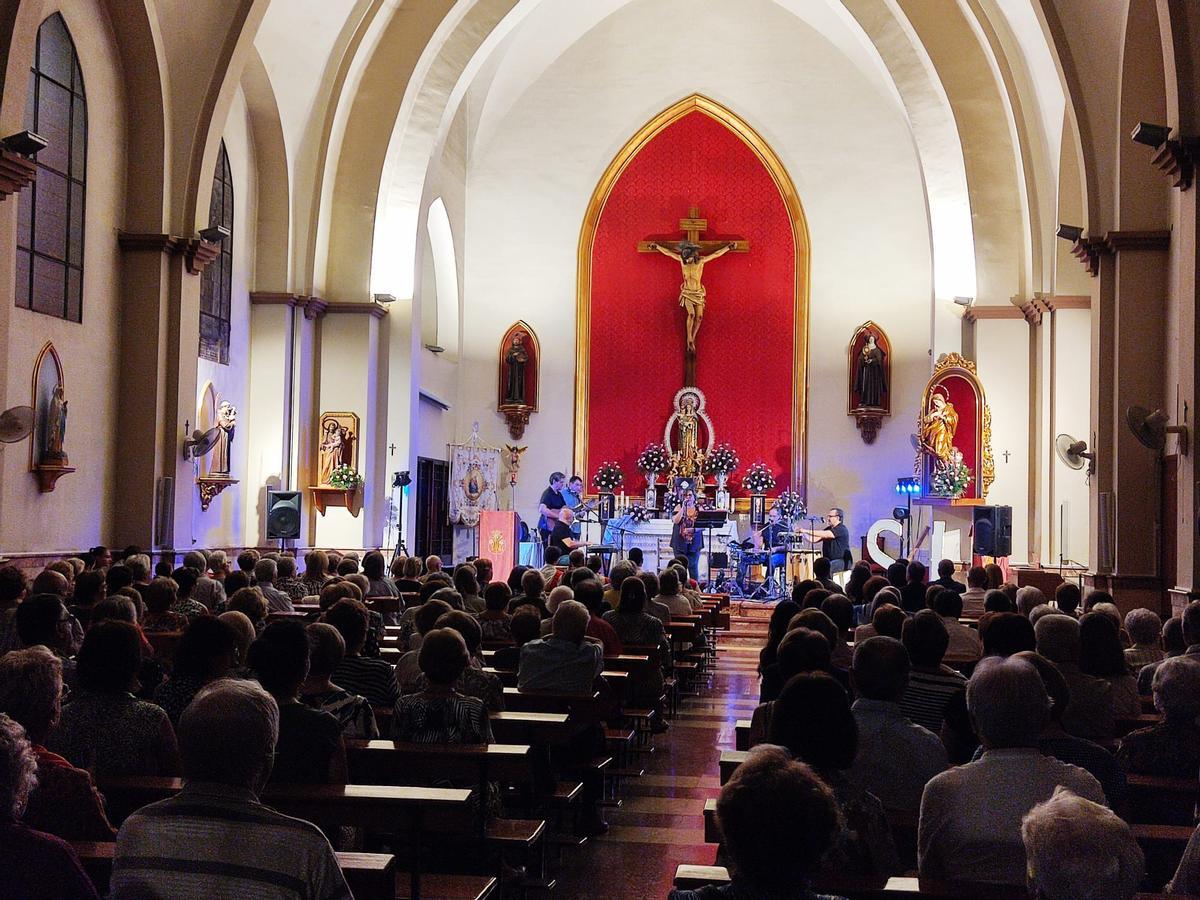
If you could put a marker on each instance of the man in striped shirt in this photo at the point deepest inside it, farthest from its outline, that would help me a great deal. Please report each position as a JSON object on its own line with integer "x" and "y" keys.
{"x": 214, "y": 838}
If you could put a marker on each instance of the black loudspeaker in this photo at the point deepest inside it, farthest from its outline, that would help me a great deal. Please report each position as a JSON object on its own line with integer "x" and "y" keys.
{"x": 993, "y": 531}
{"x": 283, "y": 514}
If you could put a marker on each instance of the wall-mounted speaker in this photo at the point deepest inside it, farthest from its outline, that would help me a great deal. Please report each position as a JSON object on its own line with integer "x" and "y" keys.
{"x": 993, "y": 531}
{"x": 283, "y": 515}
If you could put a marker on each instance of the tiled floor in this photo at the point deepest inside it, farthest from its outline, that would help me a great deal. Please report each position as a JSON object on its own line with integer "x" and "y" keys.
{"x": 660, "y": 824}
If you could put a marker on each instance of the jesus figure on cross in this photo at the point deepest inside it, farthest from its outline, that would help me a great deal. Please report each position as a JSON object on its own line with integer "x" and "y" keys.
{"x": 691, "y": 292}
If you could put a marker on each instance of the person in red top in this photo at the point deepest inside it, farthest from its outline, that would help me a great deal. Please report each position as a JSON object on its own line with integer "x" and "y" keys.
{"x": 65, "y": 802}
{"x": 33, "y": 865}
{"x": 590, "y": 593}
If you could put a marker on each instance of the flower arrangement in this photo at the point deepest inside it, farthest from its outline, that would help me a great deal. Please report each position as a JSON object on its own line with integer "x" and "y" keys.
{"x": 790, "y": 504}
{"x": 608, "y": 477}
{"x": 722, "y": 459}
{"x": 637, "y": 513}
{"x": 654, "y": 459}
{"x": 950, "y": 479}
{"x": 758, "y": 479}
{"x": 346, "y": 478}
{"x": 670, "y": 499}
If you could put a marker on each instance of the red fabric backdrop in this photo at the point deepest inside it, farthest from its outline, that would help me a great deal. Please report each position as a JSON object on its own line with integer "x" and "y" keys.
{"x": 746, "y": 343}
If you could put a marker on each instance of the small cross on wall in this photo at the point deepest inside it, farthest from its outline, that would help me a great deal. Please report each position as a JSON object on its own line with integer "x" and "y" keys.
{"x": 1005, "y": 454}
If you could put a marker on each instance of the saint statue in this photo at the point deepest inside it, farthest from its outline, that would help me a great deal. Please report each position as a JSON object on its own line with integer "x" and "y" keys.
{"x": 333, "y": 442}
{"x": 515, "y": 359}
{"x": 870, "y": 381}
{"x": 689, "y": 458}
{"x": 56, "y": 425}
{"x": 691, "y": 292}
{"x": 938, "y": 426}
{"x": 226, "y": 421}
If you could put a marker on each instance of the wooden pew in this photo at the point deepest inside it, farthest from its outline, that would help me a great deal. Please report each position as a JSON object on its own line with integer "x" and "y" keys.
{"x": 371, "y": 876}
{"x": 412, "y": 812}
{"x": 1162, "y": 801}
{"x": 544, "y": 701}
{"x": 867, "y": 888}
{"x": 1124, "y": 726}
{"x": 741, "y": 734}
{"x": 384, "y": 604}
{"x": 730, "y": 760}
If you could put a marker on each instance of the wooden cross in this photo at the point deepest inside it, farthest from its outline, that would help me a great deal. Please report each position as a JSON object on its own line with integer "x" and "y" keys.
{"x": 391, "y": 449}
{"x": 1005, "y": 455}
{"x": 693, "y": 226}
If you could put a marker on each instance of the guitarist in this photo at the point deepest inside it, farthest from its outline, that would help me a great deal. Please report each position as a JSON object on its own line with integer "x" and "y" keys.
{"x": 573, "y": 495}
{"x": 686, "y": 538}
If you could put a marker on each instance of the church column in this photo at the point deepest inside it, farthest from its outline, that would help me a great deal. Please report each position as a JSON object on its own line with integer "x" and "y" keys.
{"x": 353, "y": 378}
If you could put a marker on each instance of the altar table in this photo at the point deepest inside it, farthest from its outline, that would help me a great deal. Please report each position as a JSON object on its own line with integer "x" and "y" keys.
{"x": 652, "y": 534}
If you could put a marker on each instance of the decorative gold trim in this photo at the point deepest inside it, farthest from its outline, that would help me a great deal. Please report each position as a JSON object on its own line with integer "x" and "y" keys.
{"x": 987, "y": 463}
{"x": 802, "y": 266}
{"x": 210, "y": 487}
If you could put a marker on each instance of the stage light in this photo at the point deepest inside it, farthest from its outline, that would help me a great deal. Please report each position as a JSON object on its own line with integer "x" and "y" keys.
{"x": 900, "y": 513}
{"x": 908, "y": 486}
{"x": 1070, "y": 233}
{"x": 1150, "y": 134}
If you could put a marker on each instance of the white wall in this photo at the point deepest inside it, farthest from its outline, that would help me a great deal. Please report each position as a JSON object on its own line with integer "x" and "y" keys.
{"x": 1072, "y": 400}
{"x": 845, "y": 142}
{"x": 78, "y": 514}
{"x": 225, "y": 521}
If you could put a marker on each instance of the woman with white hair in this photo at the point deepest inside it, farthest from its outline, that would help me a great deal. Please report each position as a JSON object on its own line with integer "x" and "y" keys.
{"x": 1145, "y": 630}
{"x": 32, "y": 864}
{"x": 1170, "y": 748}
{"x": 1077, "y": 849}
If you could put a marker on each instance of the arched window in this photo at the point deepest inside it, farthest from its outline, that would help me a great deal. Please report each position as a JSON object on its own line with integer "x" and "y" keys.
{"x": 50, "y": 212}
{"x": 216, "y": 288}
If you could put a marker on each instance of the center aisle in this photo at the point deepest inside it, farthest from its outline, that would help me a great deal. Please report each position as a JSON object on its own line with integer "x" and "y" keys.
{"x": 660, "y": 823}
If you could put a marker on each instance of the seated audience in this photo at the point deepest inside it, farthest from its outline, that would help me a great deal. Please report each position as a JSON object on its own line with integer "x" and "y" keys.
{"x": 206, "y": 652}
{"x": 620, "y": 570}
{"x": 973, "y": 596}
{"x": 668, "y": 593}
{"x": 801, "y": 650}
{"x": 778, "y": 820}
{"x": 65, "y": 802}
{"x": 840, "y": 611}
{"x": 970, "y": 823}
{"x": 89, "y": 590}
{"x": 237, "y": 580}
{"x": 265, "y": 573}
{"x": 103, "y": 727}
{"x": 473, "y": 682}
{"x": 186, "y": 580}
{"x": 886, "y": 621}
{"x": 1006, "y": 633}
{"x": 1067, "y": 597}
{"x": 160, "y": 595}
{"x": 288, "y": 581}
{"x": 526, "y": 625}
{"x": 466, "y": 583}
{"x": 408, "y": 668}
{"x": 557, "y": 596}
{"x": 995, "y": 576}
{"x": 563, "y": 663}
{"x": 813, "y": 720}
{"x": 32, "y": 864}
{"x": 316, "y": 565}
{"x": 964, "y": 641}
{"x": 1075, "y": 848}
{"x": 590, "y": 592}
{"x": 227, "y": 737}
{"x": 245, "y": 634}
{"x": 1145, "y": 630}
{"x": 635, "y": 627}
{"x": 13, "y": 589}
{"x": 912, "y": 595}
{"x": 932, "y": 686}
{"x": 946, "y": 579}
{"x": 325, "y": 650}
{"x": 777, "y": 627}
{"x": 309, "y": 749}
{"x": 1171, "y": 747}
{"x": 1090, "y": 712}
{"x": 250, "y": 603}
{"x": 246, "y": 561}
{"x": 860, "y": 574}
{"x": 374, "y": 567}
{"x": 409, "y": 579}
{"x": 1102, "y": 656}
{"x": 821, "y": 572}
{"x": 42, "y": 619}
{"x": 494, "y": 620}
{"x": 533, "y": 593}
{"x": 654, "y": 606}
{"x": 1070, "y": 749}
{"x": 895, "y": 756}
{"x": 368, "y": 676}
{"x": 439, "y": 714}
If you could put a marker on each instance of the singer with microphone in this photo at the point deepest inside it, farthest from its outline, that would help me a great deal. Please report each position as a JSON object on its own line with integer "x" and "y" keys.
{"x": 770, "y": 536}
{"x": 834, "y": 539}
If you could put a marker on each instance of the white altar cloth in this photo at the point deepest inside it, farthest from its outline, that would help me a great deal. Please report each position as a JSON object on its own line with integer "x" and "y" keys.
{"x": 654, "y": 538}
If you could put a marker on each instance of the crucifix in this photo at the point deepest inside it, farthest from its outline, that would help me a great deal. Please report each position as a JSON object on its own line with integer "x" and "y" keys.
{"x": 692, "y": 253}
{"x": 1005, "y": 454}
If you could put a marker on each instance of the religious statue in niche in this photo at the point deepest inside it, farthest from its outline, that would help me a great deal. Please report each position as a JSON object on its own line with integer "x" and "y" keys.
{"x": 56, "y": 427}
{"x": 519, "y": 362}
{"x": 682, "y": 434}
{"x": 338, "y": 445}
{"x": 227, "y": 423}
{"x": 954, "y": 434}
{"x": 692, "y": 253}
{"x": 869, "y": 389}
{"x": 47, "y": 451}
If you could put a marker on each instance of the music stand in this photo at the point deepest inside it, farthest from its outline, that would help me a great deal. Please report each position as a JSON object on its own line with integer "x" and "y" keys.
{"x": 708, "y": 519}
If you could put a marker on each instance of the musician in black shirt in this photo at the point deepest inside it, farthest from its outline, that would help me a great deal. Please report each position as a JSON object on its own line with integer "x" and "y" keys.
{"x": 548, "y": 507}
{"x": 834, "y": 538}
{"x": 686, "y": 538}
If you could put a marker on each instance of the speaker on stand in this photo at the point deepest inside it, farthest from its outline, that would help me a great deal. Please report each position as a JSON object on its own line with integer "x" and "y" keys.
{"x": 992, "y": 531}
{"x": 283, "y": 515}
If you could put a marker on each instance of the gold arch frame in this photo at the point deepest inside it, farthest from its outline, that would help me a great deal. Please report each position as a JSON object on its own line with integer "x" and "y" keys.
{"x": 802, "y": 265}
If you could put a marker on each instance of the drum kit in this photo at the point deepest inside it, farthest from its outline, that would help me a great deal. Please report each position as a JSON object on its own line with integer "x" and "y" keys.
{"x": 778, "y": 585}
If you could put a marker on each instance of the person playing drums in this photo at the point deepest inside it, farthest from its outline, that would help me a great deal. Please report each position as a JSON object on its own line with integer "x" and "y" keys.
{"x": 768, "y": 541}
